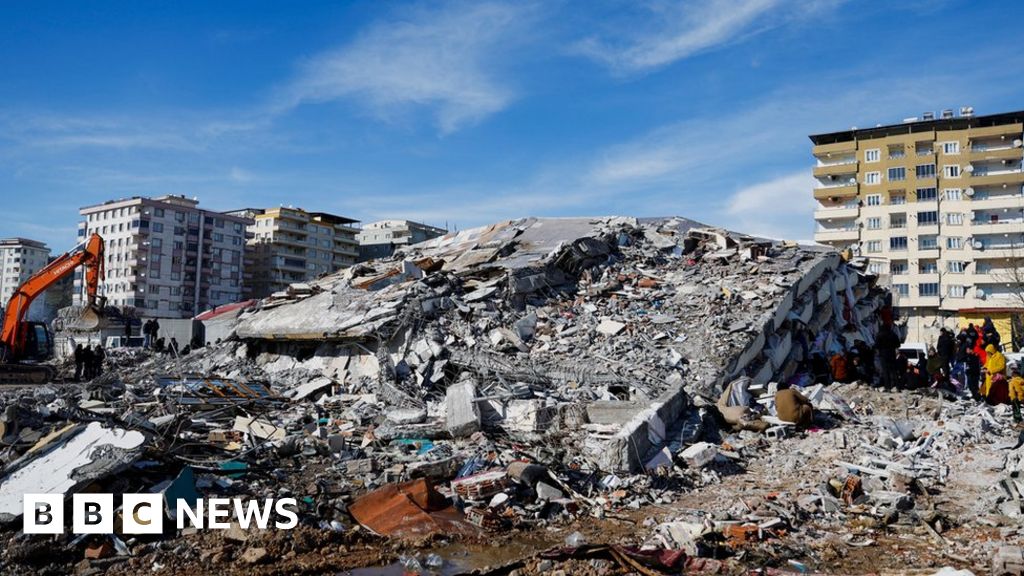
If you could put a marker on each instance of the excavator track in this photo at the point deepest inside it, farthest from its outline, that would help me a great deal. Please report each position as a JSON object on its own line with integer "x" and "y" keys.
{"x": 25, "y": 374}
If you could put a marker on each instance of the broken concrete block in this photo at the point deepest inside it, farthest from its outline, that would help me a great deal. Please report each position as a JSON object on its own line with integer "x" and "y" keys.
{"x": 462, "y": 416}
{"x": 1008, "y": 560}
{"x": 254, "y": 555}
{"x": 528, "y": 416}
{"x": 403, "y": 416}
{"x": 610, "y": 327}
{"x": 699, "y": 455}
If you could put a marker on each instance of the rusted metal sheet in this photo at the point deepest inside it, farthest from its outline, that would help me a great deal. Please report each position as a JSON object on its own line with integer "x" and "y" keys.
{"x": 409, "y": 510}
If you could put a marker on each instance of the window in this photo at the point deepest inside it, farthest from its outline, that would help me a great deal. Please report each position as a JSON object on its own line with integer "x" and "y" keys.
{"x": 925, "y": 170}
{"x": 951, "y": 171}
{"x": 158, "y": 227}
{"x": 874, "y": 199}
{"x": 897, "y": 221}
{"x": 874, "y": 246}
{"x": 898, "y": 243}
{"x": 872, "y": 177}
{"x": 898, "y": 268}
{"x": 901, "y": 289}
{"x": 956, "y": 291}
{"x": 896, "y": 152}
{"x": 876, "y": 267}
{"x": 956, "y": 267}
{"x": 897, "y": 174}
{"x": 928, "y": 267}
{"x": 872, "y": 155}
{"x": 927, "y": 218}
{"x": 955, "y": 218}
{"x": 928, "y": 289}
{"x": 929, "y": 242}
{"x": 158, "y": 212}
{"x": 953, "y": 194}
{"x": 924, "y": 194}
{"x": 954, "y": 243}
{"x": 950, "y": 147}
{"x": 897, "y": 199}
{"x": 874, "y": 223}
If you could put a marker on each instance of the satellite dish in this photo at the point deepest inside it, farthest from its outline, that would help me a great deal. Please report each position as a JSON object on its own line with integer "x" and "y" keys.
{"x": 979, "y": 294}
{"x": 1017, "y": 143}
{"x": 969, "y": 192}
{"x": 978, "y": 245}
{"x": 853, "y": 180}
{"x": 969, "y": 168}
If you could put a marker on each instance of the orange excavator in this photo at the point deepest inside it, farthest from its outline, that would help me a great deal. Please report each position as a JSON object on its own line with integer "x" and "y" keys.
{"x": 24, "y": 344}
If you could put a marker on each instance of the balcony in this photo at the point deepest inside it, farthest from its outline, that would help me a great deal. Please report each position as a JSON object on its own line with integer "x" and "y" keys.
{"x": 983, "y": 154}
{"x": 837, "y": 212}
{"x": 835, "y": 191}
{"x": 998, "y": 227}
{"x": 822, "y": 151}
{"x": 1009, "y": 130}
{"x": 1015, "y": 200}
{"x": 1006, "y": 177}
{"x": 837, "y": 169}
{"x": 837, "y": 235}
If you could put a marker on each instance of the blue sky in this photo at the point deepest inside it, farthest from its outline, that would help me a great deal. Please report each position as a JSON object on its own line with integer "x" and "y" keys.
{"x": 472, "y": 112}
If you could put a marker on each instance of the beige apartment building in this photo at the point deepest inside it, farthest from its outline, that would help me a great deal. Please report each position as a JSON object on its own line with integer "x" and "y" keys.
{"x": 935, "y": 203}
{"x": 290, "y": 245}
{"x": 166, "y": 257}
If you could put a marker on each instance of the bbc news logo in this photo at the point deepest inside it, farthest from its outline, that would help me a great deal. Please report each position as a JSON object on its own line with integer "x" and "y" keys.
{"x": 144, "y": 513}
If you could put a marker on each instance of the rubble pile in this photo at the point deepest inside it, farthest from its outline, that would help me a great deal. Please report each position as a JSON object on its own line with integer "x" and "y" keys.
{"x": 555, "y": 377}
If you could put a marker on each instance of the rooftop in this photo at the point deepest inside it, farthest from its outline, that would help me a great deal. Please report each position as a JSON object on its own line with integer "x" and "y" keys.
{"x": 909, "y": 126}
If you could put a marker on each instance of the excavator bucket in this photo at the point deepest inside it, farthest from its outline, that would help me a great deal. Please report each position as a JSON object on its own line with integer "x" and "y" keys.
{"x": 88, "y": 321}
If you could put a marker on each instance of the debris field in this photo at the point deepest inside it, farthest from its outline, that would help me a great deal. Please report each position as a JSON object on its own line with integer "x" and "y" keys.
{"x": 538, "y": 396}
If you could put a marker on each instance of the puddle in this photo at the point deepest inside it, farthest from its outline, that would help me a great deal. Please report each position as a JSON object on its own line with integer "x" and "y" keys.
{"x": 463, "y": 558}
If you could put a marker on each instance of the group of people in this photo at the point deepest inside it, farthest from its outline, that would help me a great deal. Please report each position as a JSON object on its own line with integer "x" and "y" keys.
{"x": 150, "y": 333}
{"x": 970, "y": 361}
{"x": 88, "y": 361}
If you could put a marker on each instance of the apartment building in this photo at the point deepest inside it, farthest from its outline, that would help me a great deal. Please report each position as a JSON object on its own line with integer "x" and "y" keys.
{"x": 166, "y": 257}
{"x": 935, "y": 203}
{"x": 380, "y": 239}
{"x": 290, "y": 245}
{"x": 20, "y": 258}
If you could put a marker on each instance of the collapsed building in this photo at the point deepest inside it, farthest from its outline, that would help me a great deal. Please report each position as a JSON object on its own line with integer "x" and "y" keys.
{"x": 528, "y": 371}
{"x": 610, "y": 326}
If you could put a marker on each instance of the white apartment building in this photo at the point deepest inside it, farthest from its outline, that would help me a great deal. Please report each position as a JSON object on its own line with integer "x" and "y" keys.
{"x": 937, "y": 206}
{"x": 380, "y": 239}
{"x": 288, "y": 245}
{"x": 166, "y": 257}
{"x": 20, "y": 258}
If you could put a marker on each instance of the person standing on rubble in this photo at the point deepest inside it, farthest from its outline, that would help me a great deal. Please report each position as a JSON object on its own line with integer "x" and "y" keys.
{"x": 87, "y": 362}
{"x": 989, "y": 334}
{"x": 866, "y": 361}
{"x": 172, "y": 348}
{"x": 946, "y": 347}
{"x": 995, "y": 371}
{"x": 79, "y": 362}
{"x": 972, "y": 367}
{"x": 98, "y": 356}
{"x": 793, "y": 406}
{"x": 886, "y": 345}
{"x": 840, "y": 368}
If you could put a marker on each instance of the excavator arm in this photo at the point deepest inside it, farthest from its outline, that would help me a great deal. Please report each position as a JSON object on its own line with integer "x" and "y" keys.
{"x": 88, "y": 254}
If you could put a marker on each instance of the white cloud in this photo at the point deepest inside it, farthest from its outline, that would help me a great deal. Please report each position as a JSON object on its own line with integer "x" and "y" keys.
{"x": 782, "y": 207}
{"x": 442, "y": 59}
{"x": 672, "y": 30}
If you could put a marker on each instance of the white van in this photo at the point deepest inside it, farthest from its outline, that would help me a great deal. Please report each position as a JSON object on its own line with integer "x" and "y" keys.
{"x": 916, "y": 353}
